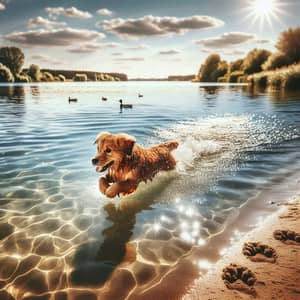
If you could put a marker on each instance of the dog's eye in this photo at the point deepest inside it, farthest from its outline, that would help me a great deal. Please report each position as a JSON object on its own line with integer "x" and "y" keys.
{"x": 108, "y": 150}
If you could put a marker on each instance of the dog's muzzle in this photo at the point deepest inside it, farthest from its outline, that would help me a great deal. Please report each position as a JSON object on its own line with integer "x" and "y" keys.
{"x": 104, "y": 168}
{"x": 95, "y": 161}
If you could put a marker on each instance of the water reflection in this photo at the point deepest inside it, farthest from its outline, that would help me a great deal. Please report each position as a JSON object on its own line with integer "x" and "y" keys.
{"x": 210, "y": 92}
{"x": 96, "y": 269}
{"x": 35, "y": 91}
{"x": 276, "y": 95}
{"x": 15, "y": 93}
{"x": 75, "y": 242}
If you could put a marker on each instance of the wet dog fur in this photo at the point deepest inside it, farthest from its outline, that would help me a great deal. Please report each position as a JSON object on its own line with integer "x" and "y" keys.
{"x": 128, "y": 163}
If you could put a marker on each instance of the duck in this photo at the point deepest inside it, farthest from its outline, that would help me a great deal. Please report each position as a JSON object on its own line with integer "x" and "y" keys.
{"x": 124, "y": 105}
{"x": 72, "y": 99}
{"x": 104, "y": 99}
{"x": 140, "y": 95}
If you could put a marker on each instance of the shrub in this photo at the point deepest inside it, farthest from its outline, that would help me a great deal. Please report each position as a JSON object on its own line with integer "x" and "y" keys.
{"x": 223, "y": 79}
{"x": 275, "y": 61}
{"x": 22, "y": 78}
{"x": 289, "y": 44}
{"x": 5, "y": 74}
{"x": 275, "y": 80}
{"x": 254, "y": 60}
{"x": 61, "y": 77}
{"x": 261, "y": 80}
{"x": 236, "y": 65}
{"x": 208, "y": 70}
{"x": 80, "y": 77}
{"x": 34, "y": 72}
{"x": 46, "y": 76}
{"x": 233, "y": 77}
{"x": 242, "y": 79}
{"x": 13, "y": 58}
{"x": 292, "y": 80}
{"x": 221, "y": 70}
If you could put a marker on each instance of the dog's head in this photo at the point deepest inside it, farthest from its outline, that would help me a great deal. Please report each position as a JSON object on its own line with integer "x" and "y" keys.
{"x": 112, "y": 149}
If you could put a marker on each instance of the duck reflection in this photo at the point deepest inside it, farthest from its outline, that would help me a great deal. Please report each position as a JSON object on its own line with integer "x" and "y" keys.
{"x": 210, "y": 92}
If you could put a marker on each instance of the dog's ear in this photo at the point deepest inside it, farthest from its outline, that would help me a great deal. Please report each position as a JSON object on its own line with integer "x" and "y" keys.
{"x": 100, "y": 136}
{"x": 126, "y": 143}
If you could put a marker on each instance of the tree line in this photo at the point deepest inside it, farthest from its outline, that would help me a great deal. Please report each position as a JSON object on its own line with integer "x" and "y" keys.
{"x": 11, "y": 70}
{"x": 287, "y": 56}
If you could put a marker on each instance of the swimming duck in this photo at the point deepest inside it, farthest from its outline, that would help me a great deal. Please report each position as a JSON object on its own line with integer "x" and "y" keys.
{"x": 72, "y": 99}
{"x": 104, "y": 99}
{"x": 124, "y": 105}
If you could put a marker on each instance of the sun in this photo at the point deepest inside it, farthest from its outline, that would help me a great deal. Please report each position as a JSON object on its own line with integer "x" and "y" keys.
{"x": 264, "y": 10}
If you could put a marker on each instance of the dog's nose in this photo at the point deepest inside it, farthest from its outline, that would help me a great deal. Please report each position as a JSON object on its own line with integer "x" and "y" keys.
{"x": 94, "y": 161}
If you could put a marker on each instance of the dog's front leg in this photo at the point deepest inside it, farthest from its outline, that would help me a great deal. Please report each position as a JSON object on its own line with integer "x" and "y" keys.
{"x": 103, "y": 185}
{"x": 123, "y": 187}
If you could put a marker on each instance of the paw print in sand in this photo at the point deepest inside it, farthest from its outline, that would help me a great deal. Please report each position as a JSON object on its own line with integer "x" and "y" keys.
{"x": 287, "y": 236}
{"x": 239, "y": 278}
{"x": 258, "y": 252}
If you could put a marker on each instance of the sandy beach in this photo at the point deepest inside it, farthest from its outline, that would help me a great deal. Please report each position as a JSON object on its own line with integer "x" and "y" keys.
{"x": 272, "y": 275}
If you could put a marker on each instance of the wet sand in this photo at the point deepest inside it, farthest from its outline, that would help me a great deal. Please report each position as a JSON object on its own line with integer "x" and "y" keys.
{"x": 272, "y": 275}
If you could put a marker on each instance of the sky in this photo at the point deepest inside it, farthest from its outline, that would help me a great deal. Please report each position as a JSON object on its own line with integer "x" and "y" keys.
{"x": 153, "y": 38}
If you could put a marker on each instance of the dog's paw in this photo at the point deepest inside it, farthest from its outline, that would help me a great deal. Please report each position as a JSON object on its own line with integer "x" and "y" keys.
{"x": 110, "y": 193}
{"x": 103, "y": 185}
{"x": 239, "y": 278}
{"x": 258, "y": 252}
{"x": 287, "y": 236}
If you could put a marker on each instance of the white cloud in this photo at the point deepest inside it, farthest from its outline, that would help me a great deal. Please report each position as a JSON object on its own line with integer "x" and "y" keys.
{"x": 169, "y": 52}
{"x": 92, "y": 47}
{"x": 262, "y": 41}
{"x": 2, "y": 6}
{"x": 117, "y": 53}
{"x": 43, "y": 22}
{"x": 53, "y": 37}
{"x": 227, "y": 39}
{"x": 152, "y": 25}
{"x": 46, "y": 59}
{"x": 71, "y": 12}
{"x": 137, "y": 47}
{"x": 130, "y": 59}
{"x": 172, "y": 59}
{"x": 104, "y": 12}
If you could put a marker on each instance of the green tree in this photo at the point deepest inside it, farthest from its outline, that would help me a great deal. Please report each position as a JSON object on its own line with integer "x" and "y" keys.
{"x": 254, "y": 60}
{"x": 236, "y": 65}
{"x": 221, "y": 70}
{"x": 289, "y": 44}
{"x": 13, "y": 58}
{"x": 275, "y": 61}
{"x": 208, "y": 71}
{"x": 5, "y": 74}
{"x": 34, "y": 72}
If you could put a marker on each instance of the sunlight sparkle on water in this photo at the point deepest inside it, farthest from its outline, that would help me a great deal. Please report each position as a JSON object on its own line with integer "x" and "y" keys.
{"x": 157, "y": 227}
{"x": 201, "y": 242}
{"x": 204, "y": 264}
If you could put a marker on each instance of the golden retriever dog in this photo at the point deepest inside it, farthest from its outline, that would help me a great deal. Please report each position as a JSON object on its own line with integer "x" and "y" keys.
{"x": 128, "y": 163}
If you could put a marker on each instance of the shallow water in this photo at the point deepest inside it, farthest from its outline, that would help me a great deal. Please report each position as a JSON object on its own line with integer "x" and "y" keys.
{"x": 59, "y": 235}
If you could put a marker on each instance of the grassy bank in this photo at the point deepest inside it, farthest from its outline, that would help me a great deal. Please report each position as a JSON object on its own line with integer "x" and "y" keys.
{"x": 283, "y": 78}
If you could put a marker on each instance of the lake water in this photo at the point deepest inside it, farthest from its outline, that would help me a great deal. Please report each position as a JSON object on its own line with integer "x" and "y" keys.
{"x": 59, "y": 237}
